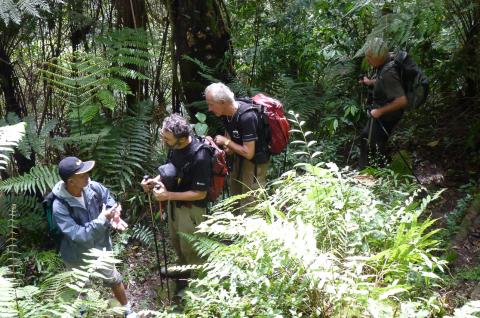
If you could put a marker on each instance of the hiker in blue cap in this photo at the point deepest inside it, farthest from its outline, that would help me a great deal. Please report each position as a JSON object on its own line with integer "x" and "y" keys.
{"x": 85, "y": 211}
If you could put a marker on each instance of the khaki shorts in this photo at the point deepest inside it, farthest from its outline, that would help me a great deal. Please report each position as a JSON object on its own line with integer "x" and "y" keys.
{"x": 112, "y": 276}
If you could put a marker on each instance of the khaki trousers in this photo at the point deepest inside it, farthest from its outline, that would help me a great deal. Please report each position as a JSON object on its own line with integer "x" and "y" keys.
{"x": 185, "y": 220}
{"x": 247, "y": 179}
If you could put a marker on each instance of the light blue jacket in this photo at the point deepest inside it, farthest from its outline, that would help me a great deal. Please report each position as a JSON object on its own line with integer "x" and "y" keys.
{"x": 82, "y": 228}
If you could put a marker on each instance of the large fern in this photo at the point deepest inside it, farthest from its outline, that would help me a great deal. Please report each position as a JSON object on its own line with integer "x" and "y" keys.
{"x": 128, "y": 50}
{"x": 13, "y": 11}
{"x": 7, "y": 294}
{"x": 40, "y": 178}
{"x": 85, "y": 83}
{"x": 24, "y": 203}
{"x": 123, "y": 155}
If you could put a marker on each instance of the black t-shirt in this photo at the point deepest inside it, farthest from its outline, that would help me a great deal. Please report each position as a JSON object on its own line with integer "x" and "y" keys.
{"x": 194, "y": 169}
{"x": 242, "y": 128}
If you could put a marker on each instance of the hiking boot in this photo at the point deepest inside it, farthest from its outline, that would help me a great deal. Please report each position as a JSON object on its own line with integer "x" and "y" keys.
{"x": 179, "y": 292}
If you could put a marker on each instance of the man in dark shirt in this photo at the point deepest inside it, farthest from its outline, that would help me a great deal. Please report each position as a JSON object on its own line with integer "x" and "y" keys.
{"x": 389, "y": 101}
{"x": 187, "y": 201}
{"x": 241, "y": 139}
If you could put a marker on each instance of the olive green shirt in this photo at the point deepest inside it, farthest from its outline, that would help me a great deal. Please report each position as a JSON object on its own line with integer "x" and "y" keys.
{"x": 388, "y": 85}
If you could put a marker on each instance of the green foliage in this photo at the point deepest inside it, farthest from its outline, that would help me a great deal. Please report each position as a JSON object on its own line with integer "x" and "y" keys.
{"x": 470, "y": 274}
{"x": 128, "y": 50}
{"x": 470, "y": 310}
{"x": 123, "y": 154}
{"x": 144, "y": 234}
{"x": 201, "y": 127}
{"x": 10, "y": 136}
{"x": 23, "y": 203}
{"x": 29, "y": 219}
{"x": 62, "y": 295}
{"x": 11, "y": 256}
{"x": 85, "y": 83}
{"x": 40, "y": 178}
{"x": 455, "y": 217}
{"x": 12, "y": 11}
{"x": 320, "y": 244}
{"x": 7, "y": 294}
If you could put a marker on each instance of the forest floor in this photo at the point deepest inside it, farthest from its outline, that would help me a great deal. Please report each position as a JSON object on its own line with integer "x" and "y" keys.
{"x": 446, "y": 155}
{"x": 145, "y": 288}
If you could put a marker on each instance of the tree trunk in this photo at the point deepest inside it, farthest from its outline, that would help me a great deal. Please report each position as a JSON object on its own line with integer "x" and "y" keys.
{"x": 78, "y": 28}
{"x": 200, "y": 31}
{"x": 7, "y": 85}
{"x": 132, "y": 14}
{"x": 7, "y": 82}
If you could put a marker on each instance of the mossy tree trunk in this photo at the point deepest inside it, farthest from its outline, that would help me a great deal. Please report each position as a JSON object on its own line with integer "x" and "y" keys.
{"x": 200, "y": 31}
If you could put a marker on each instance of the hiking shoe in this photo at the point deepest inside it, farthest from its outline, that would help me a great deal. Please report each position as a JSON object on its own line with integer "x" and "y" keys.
{"x": 130, "y": 314}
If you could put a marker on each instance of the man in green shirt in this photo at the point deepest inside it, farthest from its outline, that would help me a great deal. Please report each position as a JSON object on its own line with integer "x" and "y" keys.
{"x": 389, "y": 101}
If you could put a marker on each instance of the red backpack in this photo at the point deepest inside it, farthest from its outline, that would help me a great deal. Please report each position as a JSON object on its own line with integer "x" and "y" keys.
{"x": 278, "y": 123}
{"x": 219, "y": 167}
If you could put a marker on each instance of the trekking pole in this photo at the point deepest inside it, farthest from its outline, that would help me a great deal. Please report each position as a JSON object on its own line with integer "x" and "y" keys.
{"x": 370, "y": 128}
{"x": 154, "y": 226}
{"x": 164, "y": 249}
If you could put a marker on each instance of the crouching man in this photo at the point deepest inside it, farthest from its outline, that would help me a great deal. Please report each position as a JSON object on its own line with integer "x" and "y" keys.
{"x": 85, "y": 212}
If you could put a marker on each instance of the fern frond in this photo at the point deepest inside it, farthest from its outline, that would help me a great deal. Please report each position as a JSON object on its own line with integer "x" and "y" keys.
{"x": 204, "y": 246}
{"x": 87, "y": 140}
{"x": 144, "y": 234}
{"x": 56, "y": 286}
{"x": 39, "y": 178}
{"x": 128, "y": 49}
{"x": 84, "y": 82}
{"x": 10, "y": 136}
{"x": 7, "y": 294}
{"x": 122, "y": 154}
{"x": 11, "y": 11}
{"x": 24, "y": 204}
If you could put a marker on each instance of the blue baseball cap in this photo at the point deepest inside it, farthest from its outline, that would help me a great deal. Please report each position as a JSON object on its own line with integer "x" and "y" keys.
{"x": 70, "y": 166}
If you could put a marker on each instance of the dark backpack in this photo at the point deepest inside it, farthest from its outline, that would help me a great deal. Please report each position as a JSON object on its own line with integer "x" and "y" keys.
{"x": 414, "y": 82}
{"x": 53, "y": 230}
{"x": 219, "y": 166}
{"x": 274, "y": 127}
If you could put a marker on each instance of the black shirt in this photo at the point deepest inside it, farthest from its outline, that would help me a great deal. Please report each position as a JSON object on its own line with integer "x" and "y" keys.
{"x": 194, "y": 169}
{"x": 242, "y": 128}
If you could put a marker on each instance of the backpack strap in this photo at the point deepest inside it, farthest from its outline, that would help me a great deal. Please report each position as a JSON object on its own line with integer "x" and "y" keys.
{"x": 263, "y": 137}
{"x": 199, "y": 145}
{"x": 98, "y": 193}
{"x": 64, "y": 203}
{"x": 252, "y": 106}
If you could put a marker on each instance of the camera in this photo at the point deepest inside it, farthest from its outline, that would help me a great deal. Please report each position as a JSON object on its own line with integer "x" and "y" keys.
{"x": 168, "y": 175}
